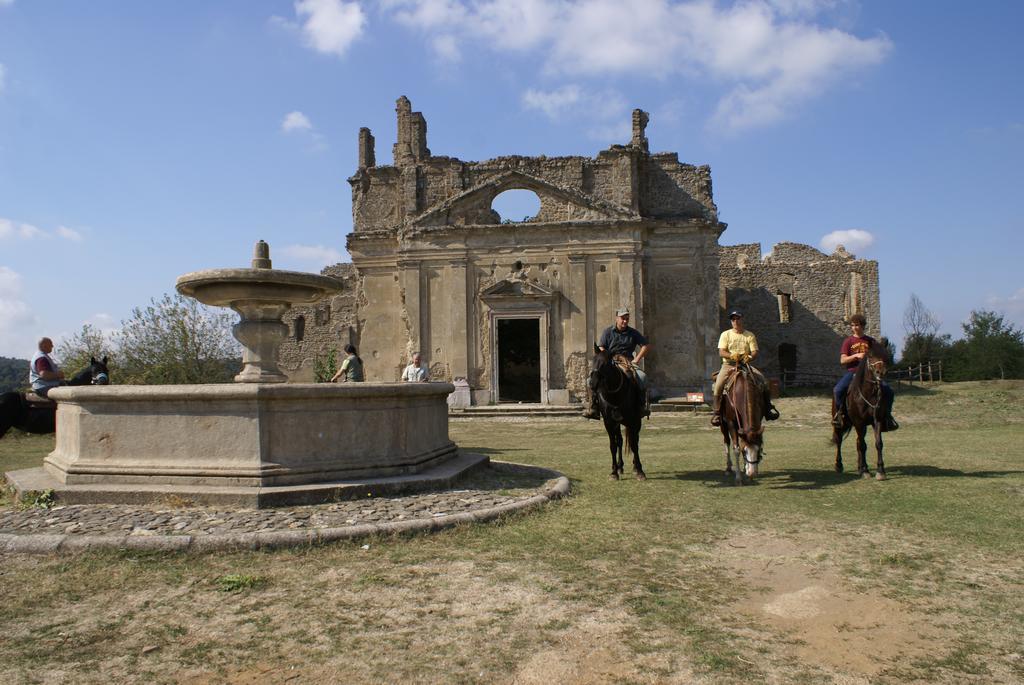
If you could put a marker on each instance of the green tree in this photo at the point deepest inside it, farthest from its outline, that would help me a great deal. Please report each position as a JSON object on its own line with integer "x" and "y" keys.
{"x": 13, "y": 374}
{"x": 76, "y": 352}
{"x": 990, "y": 348}
{"x": 176, "y": 340}
{"x": 324, "y": 368}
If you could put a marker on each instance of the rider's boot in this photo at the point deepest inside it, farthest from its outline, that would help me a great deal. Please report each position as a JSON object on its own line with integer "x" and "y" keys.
{"x": 770, "y": 412}
{"x": 716, "y": 416}
{"x": 589, "y": 410}
{"x": 889, "y": 424}
{"x": 837, "y": 416}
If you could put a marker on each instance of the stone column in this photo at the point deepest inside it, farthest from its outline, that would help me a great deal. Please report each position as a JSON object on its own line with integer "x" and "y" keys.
{"x": 459, "y": 340}
{"x": 412, "y": 314}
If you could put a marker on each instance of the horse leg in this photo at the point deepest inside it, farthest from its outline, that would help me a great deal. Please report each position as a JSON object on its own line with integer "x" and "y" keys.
{"x": 615, "y": 446}
{"x": 728, "y": 452}
{"x": 633, "y": 438}
{"x": 880, "y": 464}
{"x": 862, "y": 452}
{"x": 837, "y": 439}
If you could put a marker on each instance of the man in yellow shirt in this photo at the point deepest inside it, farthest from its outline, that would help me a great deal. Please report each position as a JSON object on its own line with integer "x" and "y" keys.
{"x": 737, "y": 345}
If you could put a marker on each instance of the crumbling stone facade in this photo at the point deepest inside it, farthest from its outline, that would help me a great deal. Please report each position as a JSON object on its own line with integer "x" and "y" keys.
{"x": 797, "y": 300}
{"x": 514, "y": 307}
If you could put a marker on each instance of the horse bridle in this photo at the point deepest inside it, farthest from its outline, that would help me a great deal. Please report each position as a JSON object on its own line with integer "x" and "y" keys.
{"x": 875, "y": 379}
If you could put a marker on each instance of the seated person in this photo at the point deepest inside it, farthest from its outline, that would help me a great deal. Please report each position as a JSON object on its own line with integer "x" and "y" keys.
{"x": 416, "y": 372}
{"x": 854, "y": 348}
{"x": 43, "y": 373}
{"x": 737, "y": 345}
{"x": 620, "y": 339}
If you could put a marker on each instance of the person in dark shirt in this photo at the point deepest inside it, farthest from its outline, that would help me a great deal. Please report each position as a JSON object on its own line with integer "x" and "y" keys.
{"x": 854, "y": 348}
{"x": 630, "y": 343}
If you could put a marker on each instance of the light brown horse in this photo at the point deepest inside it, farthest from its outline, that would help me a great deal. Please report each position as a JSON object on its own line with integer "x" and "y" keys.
{"x": 742, "y": 411}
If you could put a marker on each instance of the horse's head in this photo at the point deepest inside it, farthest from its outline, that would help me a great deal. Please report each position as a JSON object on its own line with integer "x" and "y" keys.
{"x": 743, "y": 416}
{"x": 601, "y": 367}
{"x": 876, "y": 363}
{"x": 752, "y": 449}
{"x": 98, "y": 372}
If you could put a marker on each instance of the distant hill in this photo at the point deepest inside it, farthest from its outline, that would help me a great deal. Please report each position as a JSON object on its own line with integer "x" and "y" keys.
{"x": 13, "y": 374}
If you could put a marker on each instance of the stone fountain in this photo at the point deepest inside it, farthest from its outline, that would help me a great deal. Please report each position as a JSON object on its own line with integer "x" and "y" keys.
{"x": 259, "y": 441}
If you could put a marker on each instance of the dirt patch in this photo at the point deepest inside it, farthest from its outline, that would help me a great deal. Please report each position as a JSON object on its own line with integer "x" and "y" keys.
{"x": 854, "y": 635}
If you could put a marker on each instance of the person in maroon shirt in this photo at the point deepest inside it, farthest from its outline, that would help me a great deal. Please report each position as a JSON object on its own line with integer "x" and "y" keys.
{"x": 855, "y": 347}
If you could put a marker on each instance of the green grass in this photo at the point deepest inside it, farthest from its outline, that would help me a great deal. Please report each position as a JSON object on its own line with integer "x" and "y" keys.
{"x": 638, "y": 572}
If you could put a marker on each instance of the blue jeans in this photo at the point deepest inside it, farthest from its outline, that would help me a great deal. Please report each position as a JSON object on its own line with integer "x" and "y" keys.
{"x": 844, "y": 385}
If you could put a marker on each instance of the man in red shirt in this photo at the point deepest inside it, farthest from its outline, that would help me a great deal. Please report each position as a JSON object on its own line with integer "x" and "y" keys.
{"x": 855, "y": 347}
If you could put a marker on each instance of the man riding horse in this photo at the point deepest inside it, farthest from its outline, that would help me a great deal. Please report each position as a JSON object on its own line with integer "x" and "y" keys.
{"x": 854, "y": 348}
{"x": 620, "y": 340}
{"x": 738, "y": 346}
{"x": 43, "y": 373}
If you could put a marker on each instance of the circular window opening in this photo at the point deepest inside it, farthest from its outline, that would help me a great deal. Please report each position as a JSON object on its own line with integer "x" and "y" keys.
{"x": 516, "y": 206}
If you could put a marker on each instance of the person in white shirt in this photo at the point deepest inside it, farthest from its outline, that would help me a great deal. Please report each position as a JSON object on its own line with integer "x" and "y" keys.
{"x": 44, "y": 374}
{"x": 415, "y": 372}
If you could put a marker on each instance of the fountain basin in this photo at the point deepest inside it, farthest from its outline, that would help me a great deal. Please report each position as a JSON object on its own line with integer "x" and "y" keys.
{"x": 226, "y": 287}
{"x": 248, "y": 444}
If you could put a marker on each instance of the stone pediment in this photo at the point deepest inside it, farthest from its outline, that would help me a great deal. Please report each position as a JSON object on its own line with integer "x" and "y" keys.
{"x": 558, "y": 204}
{"x": 516, "y": 289}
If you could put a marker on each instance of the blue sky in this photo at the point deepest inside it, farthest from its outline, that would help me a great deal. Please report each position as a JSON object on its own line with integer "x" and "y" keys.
{"x": 143, "y": 140}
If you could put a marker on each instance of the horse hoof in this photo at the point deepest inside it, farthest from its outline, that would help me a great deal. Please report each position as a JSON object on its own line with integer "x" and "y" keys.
{"x": 614, "y": 476}
{"x": 865, "y": 474}
{"x": 640, "y": 475}
{"x": 839, "y": 468}
{"x": 880, "y": 475}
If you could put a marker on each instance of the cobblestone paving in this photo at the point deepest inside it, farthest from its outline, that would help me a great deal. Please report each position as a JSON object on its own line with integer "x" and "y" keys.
{"x": 482, "y": 490}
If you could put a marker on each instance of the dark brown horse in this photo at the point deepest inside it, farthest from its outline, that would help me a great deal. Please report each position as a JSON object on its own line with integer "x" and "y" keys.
{"x": 742, "y": 411}
{"x": 618, "y": 397}
{"x": 40, "y": 416}
{"x": 868, "y": 403}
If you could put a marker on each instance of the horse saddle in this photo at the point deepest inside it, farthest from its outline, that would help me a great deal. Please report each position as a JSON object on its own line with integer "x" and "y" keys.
{"x": 35, "y": 401}
{"x": 625, "y": 365}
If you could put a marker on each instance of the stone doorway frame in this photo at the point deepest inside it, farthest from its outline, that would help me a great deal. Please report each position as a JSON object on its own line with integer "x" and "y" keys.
{"x": 539, "y": 314}
{"x": 518, "y": 298}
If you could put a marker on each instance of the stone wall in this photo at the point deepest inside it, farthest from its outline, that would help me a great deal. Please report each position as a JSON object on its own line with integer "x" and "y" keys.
{"x": 798, "y": 300}
{"x": 435, "y": 269}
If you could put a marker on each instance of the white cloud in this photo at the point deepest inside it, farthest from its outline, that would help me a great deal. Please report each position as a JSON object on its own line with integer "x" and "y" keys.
{"x": 69, "y": 234}
{"x": 853, "y": 239}
{"x": 313, "y": 255}
{"x": 9, "y": 229}
{"x": 553, "y": 103}
{"x": 767, "y": 56}
{"x": 18, "y": 324}
{"x": 330, "y": 26}
{"x": 1011, "y": 306}
{"x": 296, "y": 121}
{"x": 606, "y": 111}
{"x": 446, "y": 48}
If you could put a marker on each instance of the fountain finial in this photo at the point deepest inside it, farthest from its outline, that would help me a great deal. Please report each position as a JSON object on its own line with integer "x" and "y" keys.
{"x": 261, "y": 255}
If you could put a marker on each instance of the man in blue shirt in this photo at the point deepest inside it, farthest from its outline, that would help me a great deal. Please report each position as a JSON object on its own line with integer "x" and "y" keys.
{"x": 623, "y": 340}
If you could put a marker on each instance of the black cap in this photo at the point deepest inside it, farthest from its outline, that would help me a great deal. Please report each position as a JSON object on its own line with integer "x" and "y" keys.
{"x": 735, "y": 314}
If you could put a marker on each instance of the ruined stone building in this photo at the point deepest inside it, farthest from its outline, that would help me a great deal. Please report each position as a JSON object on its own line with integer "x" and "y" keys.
{"x": 798, "y": 300}
{"x": 514, "y": 307}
